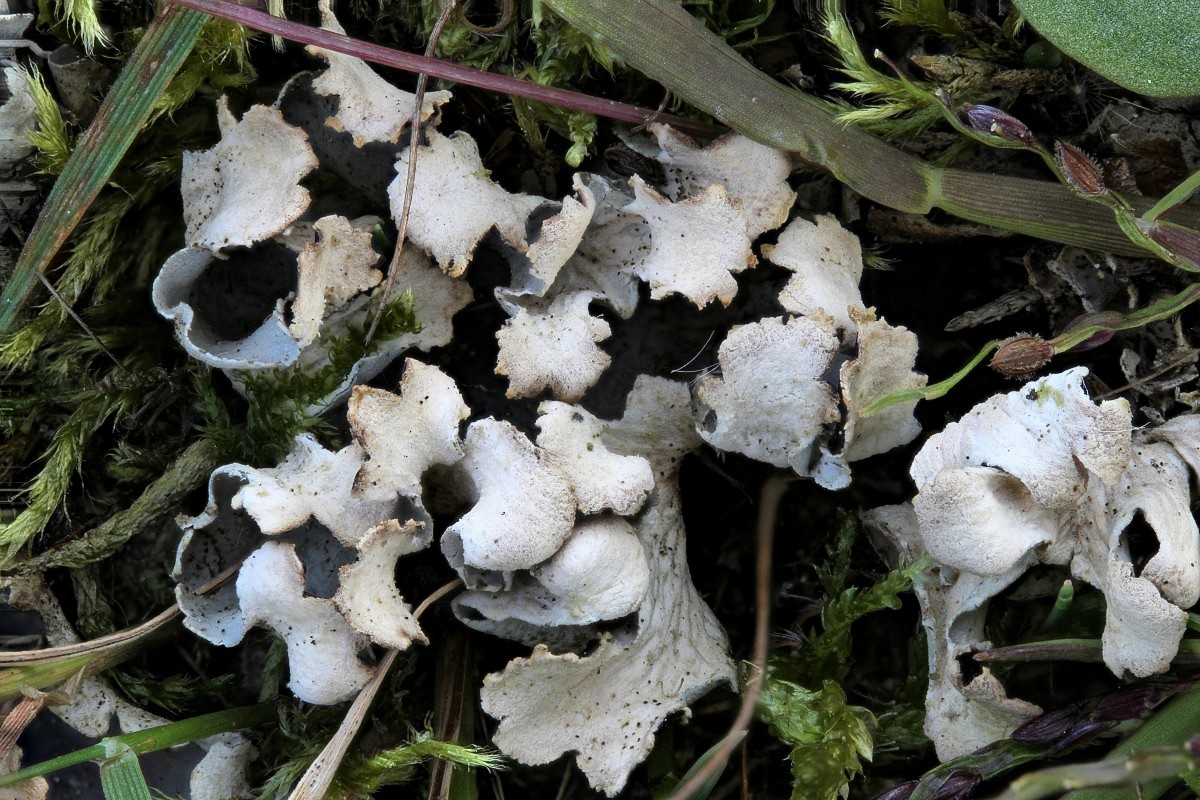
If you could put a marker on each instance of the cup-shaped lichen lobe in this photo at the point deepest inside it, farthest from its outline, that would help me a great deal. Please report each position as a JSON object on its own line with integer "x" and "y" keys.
{"x": 236, "y": 295}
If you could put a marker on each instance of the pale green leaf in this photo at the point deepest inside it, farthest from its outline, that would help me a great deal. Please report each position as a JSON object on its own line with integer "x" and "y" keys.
{"x": 1148, "y": 46}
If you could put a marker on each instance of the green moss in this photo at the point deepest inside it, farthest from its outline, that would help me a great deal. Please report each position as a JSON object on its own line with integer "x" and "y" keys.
{"x": 362, "y": 776}
{"x": 51, "y": 139}
{"x": 830, "y": 737}
{"x": 78, "y": 17}
{"x": 220, "y": 61}
{"x": 282, "y": 401}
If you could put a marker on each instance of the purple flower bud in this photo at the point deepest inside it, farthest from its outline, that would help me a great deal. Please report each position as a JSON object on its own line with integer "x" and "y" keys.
{"x": 1131, "y": 703}
{"x": 1097, "y": 339}
{"x": 901, "y": 791}
{"x": 1079, "y": 170}
{"x": 987, "y": 119}
{"x": 1081, "y": 731}
{"x": 957, "y": 786}
{"x": 1047, "y": 727}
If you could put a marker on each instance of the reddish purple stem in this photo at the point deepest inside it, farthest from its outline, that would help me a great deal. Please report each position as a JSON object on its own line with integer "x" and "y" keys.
{"x": 447, "y": 70}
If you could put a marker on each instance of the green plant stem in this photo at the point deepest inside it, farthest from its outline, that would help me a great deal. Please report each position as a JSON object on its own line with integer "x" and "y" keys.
{"x": 126, "y": 107}
{"x": 932, "y": 391}
{"x": 1081, "y": 650}
{"x": 659, "y": 38}
{"x": 1088, "y": 325}
{"x": 1174, "y": 197}
{"x": 159, "y": 499}
{"x": 153, "y": 739}
{"x": 48, "y": 667}
{"x": 438, "y": 68}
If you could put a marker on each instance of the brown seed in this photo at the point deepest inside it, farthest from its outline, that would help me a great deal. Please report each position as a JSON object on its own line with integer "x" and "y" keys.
{"x": 1021, "y": 356}
{"x": 1079, "y": 170}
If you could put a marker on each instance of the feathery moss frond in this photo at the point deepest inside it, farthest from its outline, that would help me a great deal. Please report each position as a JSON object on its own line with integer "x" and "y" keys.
{"x": 361, "y": 776}
{"x": 48, "y": 489}
{"x": 80, "y": 18}
{"x": 51, "y": 139}
{"x": 894, "y": 112}
{"x": 930, "y": 15}
{"x": 219, "y": 61}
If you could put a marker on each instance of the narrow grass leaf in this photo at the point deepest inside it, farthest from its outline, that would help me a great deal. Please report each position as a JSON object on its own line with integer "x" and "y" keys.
{"x": 163, "y": 48}
{"x": 121, "y": 775}
{"x": 152, "y": 739}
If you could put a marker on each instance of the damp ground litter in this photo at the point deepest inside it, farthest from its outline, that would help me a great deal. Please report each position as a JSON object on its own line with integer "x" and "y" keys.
{"x": 565, "y": 399}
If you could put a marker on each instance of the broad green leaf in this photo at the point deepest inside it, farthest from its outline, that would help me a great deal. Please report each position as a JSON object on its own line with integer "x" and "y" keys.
{"x": 1148, "y": 46}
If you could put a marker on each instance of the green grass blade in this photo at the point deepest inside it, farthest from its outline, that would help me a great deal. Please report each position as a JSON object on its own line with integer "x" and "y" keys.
{"x": 128, "y": 105}
{"x": 121, "y": 775}
{"x": 152, "y": 739}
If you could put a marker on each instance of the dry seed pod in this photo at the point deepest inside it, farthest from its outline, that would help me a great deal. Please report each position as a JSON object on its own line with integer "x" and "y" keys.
{"x": 1079, "y": 170}
{"x": 1022, "y": 355}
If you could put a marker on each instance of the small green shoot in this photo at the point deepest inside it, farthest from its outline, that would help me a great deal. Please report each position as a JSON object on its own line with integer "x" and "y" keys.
{"x": 830, "y": 737}
{"x": 80, "y": 18}
{"x": 51, "y": 139}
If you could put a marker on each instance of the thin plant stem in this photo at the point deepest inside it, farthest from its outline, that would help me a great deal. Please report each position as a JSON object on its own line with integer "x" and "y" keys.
{"x": 437, "y": 68}
{"x": 768, "y": 512}
{"x": 315, "y": 782}
{"x": 152, "y": 739}
{"x": 414, "y": 142}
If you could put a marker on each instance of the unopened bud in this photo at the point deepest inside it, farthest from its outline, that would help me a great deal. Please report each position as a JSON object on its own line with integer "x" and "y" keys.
{"x": 1130, "y": 703}
{"x": 1081, "y": 731}
{"x": 987, "y": 119}
{"x": 1046, "y": 728}
{"x": 1021, "y": 356}
{"x": 1097, "y": 339}
{"x": 960, "y": 784}
{"x": 1183, "y": 242}
{"x": 1079, "y": 170}
{"x": 901, "y": 791}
